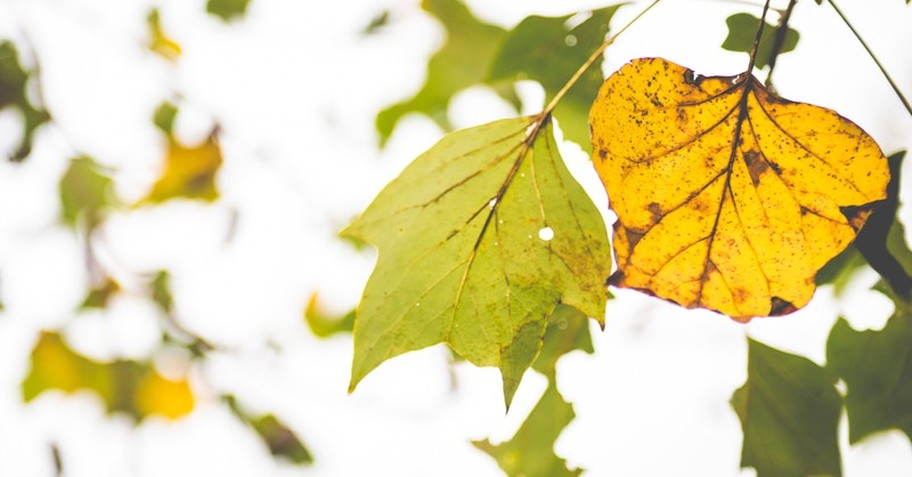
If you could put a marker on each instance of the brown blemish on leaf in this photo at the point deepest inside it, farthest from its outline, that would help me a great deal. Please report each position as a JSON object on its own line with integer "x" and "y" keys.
{"x": 779, "y": 307}
{"x": 857, "y": 215}
{"x": 756, "y": 166}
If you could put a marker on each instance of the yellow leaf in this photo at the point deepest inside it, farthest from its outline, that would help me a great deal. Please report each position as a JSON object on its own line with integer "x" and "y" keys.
{"x": 189, "y": 172}
{"x": 158, "y": 395}
{"x": 728, "y": 197}
{"x": 55, "y": 366}
{"x": 159, "y": 41}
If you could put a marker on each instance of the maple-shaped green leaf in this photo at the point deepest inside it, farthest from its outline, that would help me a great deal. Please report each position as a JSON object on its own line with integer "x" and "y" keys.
{"x": 789, "y": 411}
{"x": 278, "y": 437}
{"x": 85, "y": 192}
{"x": 549, "y": 50}
{"x": 742, "y": 30}
{"x": 462, "y": 62}
{"x": 530, "y": 453}
{"x": 227, "y": 10}
{"x": 13, "y": 93}
{"x": 479, "y": 239}
{"x": 132, "y": 387}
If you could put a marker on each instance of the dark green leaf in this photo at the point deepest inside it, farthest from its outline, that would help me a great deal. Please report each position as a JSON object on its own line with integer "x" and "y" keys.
{"x": 530, "y": 453}
{"x": 161, "y": 291}
{"x": 377, "y": 23}
{"x": 163, "y": 117}
{"x": 742, "y": 30}
{"x": 278, "y": 437}
{"x": 568, "y": 330}
{"x": 85, "y": 193}
{"x": 479, "y": 239}
{"x": 227, "y": 10}
{"x": 13, "y": 85}
{"x": 549, "y": 50}
{"x": 881, "y": 241}
{"x": 840, "y": 271}
{"x": 789, "y": 411}
{"x": 877, "y": 369}
{"x": 462, "y": 62}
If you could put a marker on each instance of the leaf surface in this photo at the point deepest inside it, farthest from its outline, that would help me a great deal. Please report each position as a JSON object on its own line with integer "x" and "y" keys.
{"x": 479, "y": 239}
{"x": 789, "y": 411}
{"x": 727, "y": 196}
{"x": 159, "y": 41}
{"x": 85, "y": 193}
{"x": 227, "y": 10}
{"x": 189, "y": 172}
{"x": 461, "y": 62}
{"x": 549, "y": 50}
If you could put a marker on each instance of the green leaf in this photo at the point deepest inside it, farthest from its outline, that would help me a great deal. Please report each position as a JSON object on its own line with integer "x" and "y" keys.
{"x": 100, "y": 295}
{"x": 160, "y": 286}
{"x": 568, "y": 330}
{"x": 742, "y": 30}
{"x": 479, "y": 239}
{"x": 85, "y": 193}
{"x": 13, "y": 86}
{"x": 323, "y": 325}
{"x": 278, "y": 437}
{"x": 882, "y": 242}
{"x": 164, "y": 116}
{"x": 550, "y": 50}
{"x": 227, "y": 10}
{"x": 462, "y": 62}
{"x": 789, "y": 411}
{"x": 840, "y": 270}
{"x": 377, "y": 23}
{"x": 877, "y": 369}
{"x": 530, "y": 453}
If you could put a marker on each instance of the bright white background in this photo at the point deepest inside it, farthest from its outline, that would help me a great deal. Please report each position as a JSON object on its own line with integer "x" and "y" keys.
{"x": 295, "y": 87}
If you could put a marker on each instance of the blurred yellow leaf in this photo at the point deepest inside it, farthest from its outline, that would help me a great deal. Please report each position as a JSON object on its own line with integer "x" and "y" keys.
{"x": 189, "y": 172}
{"x": 156, "y": 394}
{"x": 56, "y": 366}
{"x": 159, "y": 41}
{"x": 728, "y": 197}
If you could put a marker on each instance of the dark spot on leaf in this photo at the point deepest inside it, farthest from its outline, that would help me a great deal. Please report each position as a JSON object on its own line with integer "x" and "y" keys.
{"x": 756, "y": 166}
{"x": 655, "y": 210}
{"x": 616, "y": 279}
{"x": 779, "y": 307}
{"x": 602, "y": 154}
{"x": 633, "y": 238}
{"x": 775, "y": 167}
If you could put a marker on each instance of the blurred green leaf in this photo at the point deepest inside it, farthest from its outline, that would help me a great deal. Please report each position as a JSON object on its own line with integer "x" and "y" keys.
{"x": 877, "y": 369}
{"x": 13, "y": 93}
{"x": 530, "y": 453}
{"x": 278, "y": 437}
{"x": 164, "y": 116}
{"x": 100, "y": 295}
{"x": 127, "y": 386}
{"x": 189, "y": 172}
{"x": 550, "y": 50}
{"x": 159, "y": 41}
{"x": 85, "y": 193}
{"x": 377, "y": 23}
{"x": 227, "y": 10}
{"x": 840, "y": 270}
{"x": 568, "y": 330}
{"x": 462, "y": 62}
{"x": 161, "y": 291}
{"x": 323, "y": 325}
{"x": 742, "y": 30}
{"x": 789, "y": 411}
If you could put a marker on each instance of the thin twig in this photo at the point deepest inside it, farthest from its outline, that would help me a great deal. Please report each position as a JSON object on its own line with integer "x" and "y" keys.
{"x": 779, "y": 39}
{"x": 883, "y": 70}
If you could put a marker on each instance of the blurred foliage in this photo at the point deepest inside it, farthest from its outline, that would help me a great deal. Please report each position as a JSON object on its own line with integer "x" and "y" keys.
{"x": 377, "y": 23}
{"x": 86, "y": 192}
{"x": 132, "y": 387}
{"x": 530, "y": 453}
{"x": 159, "y": 41}
{"x": 549, "y": 50}
{"x": 227, "y": 10}
{"x": 278, "y": 437}
{"x": 789, "y": 411}
{"x": 460, "y": 63}
{"x": 324, "y": 325}
{"x": 100, "y": 295}
{"x": 164, "y": 116}
{"x": 742, "y": 30}
{"x": 189, "y": 172}
{"x": 14, "y": 86}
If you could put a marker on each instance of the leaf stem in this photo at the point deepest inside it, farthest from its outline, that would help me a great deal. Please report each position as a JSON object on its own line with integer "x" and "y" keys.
{"x": 588, "y": 64}
{"x": 756, "y": 47}
{"x": 779, "y": 40}
{"x": 883, "y": 70}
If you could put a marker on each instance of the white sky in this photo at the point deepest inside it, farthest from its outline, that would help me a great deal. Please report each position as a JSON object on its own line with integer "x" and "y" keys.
{"x": 295, "y": 89}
